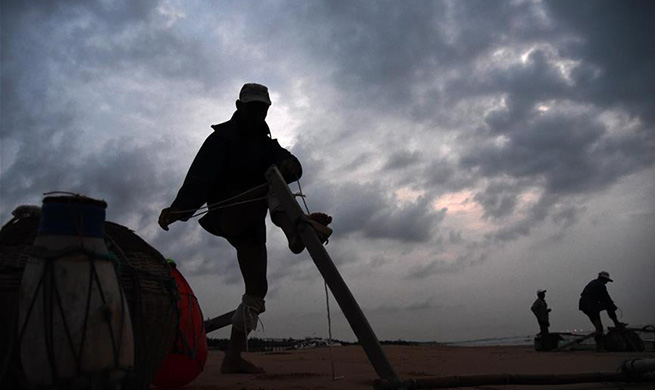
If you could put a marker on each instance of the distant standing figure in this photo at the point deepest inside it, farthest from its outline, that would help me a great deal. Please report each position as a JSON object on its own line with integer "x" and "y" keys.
{"x": 541, "y": 310}
{"x": 593, "y": 300}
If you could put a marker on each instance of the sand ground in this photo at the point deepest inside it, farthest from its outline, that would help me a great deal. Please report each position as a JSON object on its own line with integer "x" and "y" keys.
{"x": 311, "y": 368}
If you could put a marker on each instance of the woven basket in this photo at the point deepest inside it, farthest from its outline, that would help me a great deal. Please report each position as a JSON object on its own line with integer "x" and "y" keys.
{"x": 146, "y": 280}
{"x": 15, "y": 237}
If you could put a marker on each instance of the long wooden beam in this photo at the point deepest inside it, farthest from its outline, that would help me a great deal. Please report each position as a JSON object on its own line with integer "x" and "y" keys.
{"x": 335, "y": 282}
{"x": 219, "y": 322}
{"x": 515, "y": 379}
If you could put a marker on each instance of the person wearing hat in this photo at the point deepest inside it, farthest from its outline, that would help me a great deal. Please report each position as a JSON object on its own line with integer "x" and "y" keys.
{"x": 228, "y": 174}
{"x": 594, "y": 299}
{"x": 541, "y": 310}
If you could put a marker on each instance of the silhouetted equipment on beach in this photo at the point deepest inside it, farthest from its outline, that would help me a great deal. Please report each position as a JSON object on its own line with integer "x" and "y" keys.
{"x": 145, "y": 280}
{"x": 616, "y": 340}
{"x": 578, "y": 340}
{"x": 621, "y": 339}
{"x": 547, "y": 342}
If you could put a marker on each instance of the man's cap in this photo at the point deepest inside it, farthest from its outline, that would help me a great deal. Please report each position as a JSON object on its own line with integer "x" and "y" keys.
{"x": 605, "y": 275}
{"x": 540, "y": 291}
{"x": 253, "y": 92}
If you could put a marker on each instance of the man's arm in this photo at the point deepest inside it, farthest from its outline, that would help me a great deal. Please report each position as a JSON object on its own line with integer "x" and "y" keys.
{"x": 200, "y": 180}
{"x": 287, "y": 163}
{"x": 605, "y": 299}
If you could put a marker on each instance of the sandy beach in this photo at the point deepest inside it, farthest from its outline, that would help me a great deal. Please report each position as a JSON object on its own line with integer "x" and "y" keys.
{"x": 311, "y": 368}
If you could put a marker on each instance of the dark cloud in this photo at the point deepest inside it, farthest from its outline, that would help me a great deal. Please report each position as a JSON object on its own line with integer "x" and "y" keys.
{"x": 51, "y": 53}
{"x": 425, "y": 304}
{"x": 385, "y": 53}
{"x": 366, "y": 209}
{"x": 441, "y": 266}
{"x": 615, "y": 40}
{"x": 498, "y": 199}
{"x": 402, "y": 159}
{"x": 533, "y": 217}
{"x": 571, "y": 153}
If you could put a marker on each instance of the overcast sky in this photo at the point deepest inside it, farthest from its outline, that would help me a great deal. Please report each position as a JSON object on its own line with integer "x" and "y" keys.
{"x": 470, "y": 152}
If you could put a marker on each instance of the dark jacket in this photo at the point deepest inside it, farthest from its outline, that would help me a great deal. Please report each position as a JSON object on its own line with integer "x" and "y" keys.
{"x": 540, "y": 310}
{"x": 230, "y": 161}
{"x": 595, "y": 298}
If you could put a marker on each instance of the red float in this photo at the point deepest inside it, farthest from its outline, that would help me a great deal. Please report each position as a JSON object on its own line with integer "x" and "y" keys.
{"x": 188, "y": 354}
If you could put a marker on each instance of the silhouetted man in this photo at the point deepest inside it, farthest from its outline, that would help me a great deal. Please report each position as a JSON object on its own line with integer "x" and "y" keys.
{"x": 541, "y": 310}
{"x": 230, "y": 168}
{"x": 593, "y": 300}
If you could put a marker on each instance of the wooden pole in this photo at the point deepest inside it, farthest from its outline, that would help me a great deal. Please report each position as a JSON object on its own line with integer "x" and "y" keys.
{"x": 335, "y": 282}
{"x": 644, "y": 330}
{"x": 219, "y": 322}
{"x": 513, "y": 379}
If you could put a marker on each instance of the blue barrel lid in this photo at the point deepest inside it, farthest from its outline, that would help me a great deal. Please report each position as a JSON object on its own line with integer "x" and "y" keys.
{"x": 73, "y": 215}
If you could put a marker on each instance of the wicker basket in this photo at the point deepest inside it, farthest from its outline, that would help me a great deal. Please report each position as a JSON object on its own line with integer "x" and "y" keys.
{"x": 15, "y": 237}
{"x": 146, "y": 280}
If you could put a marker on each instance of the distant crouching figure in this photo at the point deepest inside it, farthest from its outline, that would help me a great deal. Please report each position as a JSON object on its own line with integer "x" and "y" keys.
{"x": 593, "y": 300}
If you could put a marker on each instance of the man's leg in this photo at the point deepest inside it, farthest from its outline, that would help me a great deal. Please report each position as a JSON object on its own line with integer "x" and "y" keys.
{"x": 251, "y": 254}
{"x": 598, "y": 325}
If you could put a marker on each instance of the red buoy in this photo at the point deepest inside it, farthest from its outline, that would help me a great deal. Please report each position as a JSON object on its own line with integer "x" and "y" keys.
{"x": 188, "y": 354}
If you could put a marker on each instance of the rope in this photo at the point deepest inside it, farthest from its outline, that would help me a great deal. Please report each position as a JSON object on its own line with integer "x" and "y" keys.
{"x": 301, "y": 195}
{"x": 329, "y": 320}
{"x": 247, "y": 318}
{"x": 223, "y": 203}
{"x": 225, "y": 206}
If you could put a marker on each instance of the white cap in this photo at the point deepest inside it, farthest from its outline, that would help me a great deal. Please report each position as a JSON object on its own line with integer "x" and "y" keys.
{"x": 541, "y": 291}
{"x": 605, "y": 275}
{"x": 252, "y": 92}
